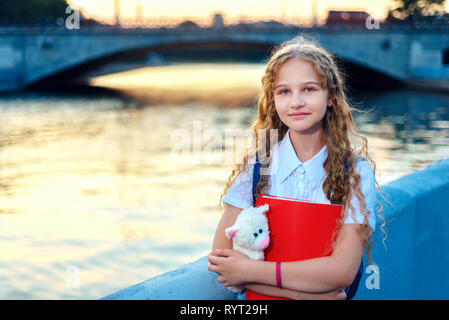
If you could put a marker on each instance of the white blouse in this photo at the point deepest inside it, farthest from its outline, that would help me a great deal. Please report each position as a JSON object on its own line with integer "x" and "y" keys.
{"x": 292, "y": 178}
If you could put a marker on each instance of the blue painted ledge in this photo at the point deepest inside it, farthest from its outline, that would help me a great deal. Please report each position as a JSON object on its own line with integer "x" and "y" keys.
{"x": 413, "y": 265}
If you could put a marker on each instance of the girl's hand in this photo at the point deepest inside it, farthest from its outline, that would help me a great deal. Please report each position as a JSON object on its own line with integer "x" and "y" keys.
{"x": 337, "y": 295}
{"x": 231, "y": 266}
{"x": 331, "y": 295}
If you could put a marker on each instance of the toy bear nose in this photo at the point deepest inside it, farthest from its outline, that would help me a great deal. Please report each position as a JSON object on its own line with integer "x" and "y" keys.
{"x": 265, "y": 242}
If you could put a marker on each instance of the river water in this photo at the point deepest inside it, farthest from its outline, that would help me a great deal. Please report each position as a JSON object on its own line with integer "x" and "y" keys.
{"x": 93, "y": 199}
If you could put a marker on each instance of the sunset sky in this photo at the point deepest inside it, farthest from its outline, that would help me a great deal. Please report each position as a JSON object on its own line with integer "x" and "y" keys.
{"x": 231, "y": 9}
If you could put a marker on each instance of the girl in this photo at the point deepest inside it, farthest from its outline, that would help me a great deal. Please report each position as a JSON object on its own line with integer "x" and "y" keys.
{"x": 304, "y": 99}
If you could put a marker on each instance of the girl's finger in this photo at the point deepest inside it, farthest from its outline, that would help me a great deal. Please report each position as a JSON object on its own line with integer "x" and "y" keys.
{"x": 212, "y": 267}
{"x": 223, "y": 252}
{"x": 341, "y": 295}
{"x": 214, "y": 259}
{"x": 208, "y": 266}
{"x": 220, "y": 279}
{"x": 213, "y": 253}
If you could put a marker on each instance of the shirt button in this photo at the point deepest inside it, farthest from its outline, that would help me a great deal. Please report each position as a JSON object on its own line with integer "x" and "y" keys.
{"x": 300, "y": 184}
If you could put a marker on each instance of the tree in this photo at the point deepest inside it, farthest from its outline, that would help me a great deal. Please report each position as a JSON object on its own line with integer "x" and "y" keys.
{"x": 414, "y": 10}
{"x": 31, "y": 11}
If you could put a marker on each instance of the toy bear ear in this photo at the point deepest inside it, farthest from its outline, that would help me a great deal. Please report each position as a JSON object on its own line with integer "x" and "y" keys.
{"x": 230, "y": 232}
{"x": 264, "y": 209}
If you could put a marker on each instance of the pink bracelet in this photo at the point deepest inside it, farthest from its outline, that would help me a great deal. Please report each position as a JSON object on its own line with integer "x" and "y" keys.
{"x": 278, "y": 274}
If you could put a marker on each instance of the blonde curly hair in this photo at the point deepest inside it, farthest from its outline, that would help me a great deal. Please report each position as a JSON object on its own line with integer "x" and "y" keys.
{"x": 340, "y": 183}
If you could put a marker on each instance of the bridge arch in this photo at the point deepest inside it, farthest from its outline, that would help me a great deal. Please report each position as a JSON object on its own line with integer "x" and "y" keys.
{"x": 357, "y": 73}
{"x": 240, "y": 51}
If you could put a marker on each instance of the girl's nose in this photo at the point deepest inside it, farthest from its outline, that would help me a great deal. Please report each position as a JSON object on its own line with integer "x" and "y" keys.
{"x": 297, "y": 100}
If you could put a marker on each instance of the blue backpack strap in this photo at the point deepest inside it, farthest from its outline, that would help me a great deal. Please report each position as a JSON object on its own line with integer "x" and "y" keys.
{"x": 352, "y": 289}
{"x": 346, "y": 164}
{"x": 256, "y": 177}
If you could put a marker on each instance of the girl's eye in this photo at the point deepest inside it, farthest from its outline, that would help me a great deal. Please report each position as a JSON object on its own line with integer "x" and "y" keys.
{"x": 309, "y": 89}
{"x": 255, "y": 235}
{"x": 282, "y": 91}
{"x": 260, "y": 230}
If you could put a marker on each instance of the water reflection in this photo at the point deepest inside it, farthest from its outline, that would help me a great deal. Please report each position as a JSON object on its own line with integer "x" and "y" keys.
{"x": 407, "y": 130}
{"x": 225, "y": 85}
{"x": 89, "y": 181}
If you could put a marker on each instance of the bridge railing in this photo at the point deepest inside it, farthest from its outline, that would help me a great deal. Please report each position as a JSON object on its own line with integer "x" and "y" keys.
{"x": 263, "y": 25}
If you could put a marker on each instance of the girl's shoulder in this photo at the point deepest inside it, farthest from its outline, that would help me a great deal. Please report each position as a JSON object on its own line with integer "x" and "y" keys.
{"x": 363, "y": 167}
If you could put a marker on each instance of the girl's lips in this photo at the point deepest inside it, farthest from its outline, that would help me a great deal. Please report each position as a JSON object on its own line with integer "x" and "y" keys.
{"x": 298, "y": 114}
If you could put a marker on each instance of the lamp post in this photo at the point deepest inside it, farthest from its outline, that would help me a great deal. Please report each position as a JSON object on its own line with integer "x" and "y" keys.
{"x": 139, "y": 13}
{"x": 117, "y": 12}
{"x": 314, "y": 13}
{"x": 283, "y": 11}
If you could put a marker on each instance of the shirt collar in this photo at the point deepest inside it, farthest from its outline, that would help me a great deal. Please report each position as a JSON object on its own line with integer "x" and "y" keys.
{"x": 289, "y": 162}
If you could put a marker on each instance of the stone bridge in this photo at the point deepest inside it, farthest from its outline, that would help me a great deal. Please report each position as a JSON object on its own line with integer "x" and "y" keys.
{"x": 30, "y": 55}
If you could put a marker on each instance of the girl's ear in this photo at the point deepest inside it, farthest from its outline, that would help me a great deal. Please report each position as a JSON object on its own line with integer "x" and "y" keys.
{"x": 330, "y": 98}
{"x": 231, "y": 231}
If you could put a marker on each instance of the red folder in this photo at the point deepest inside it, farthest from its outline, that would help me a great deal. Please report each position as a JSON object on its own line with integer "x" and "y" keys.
{"x": 299, "y": 230}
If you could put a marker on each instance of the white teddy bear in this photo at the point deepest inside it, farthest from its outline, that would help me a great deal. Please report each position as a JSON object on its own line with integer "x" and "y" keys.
{"x": 250, "y": 234}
